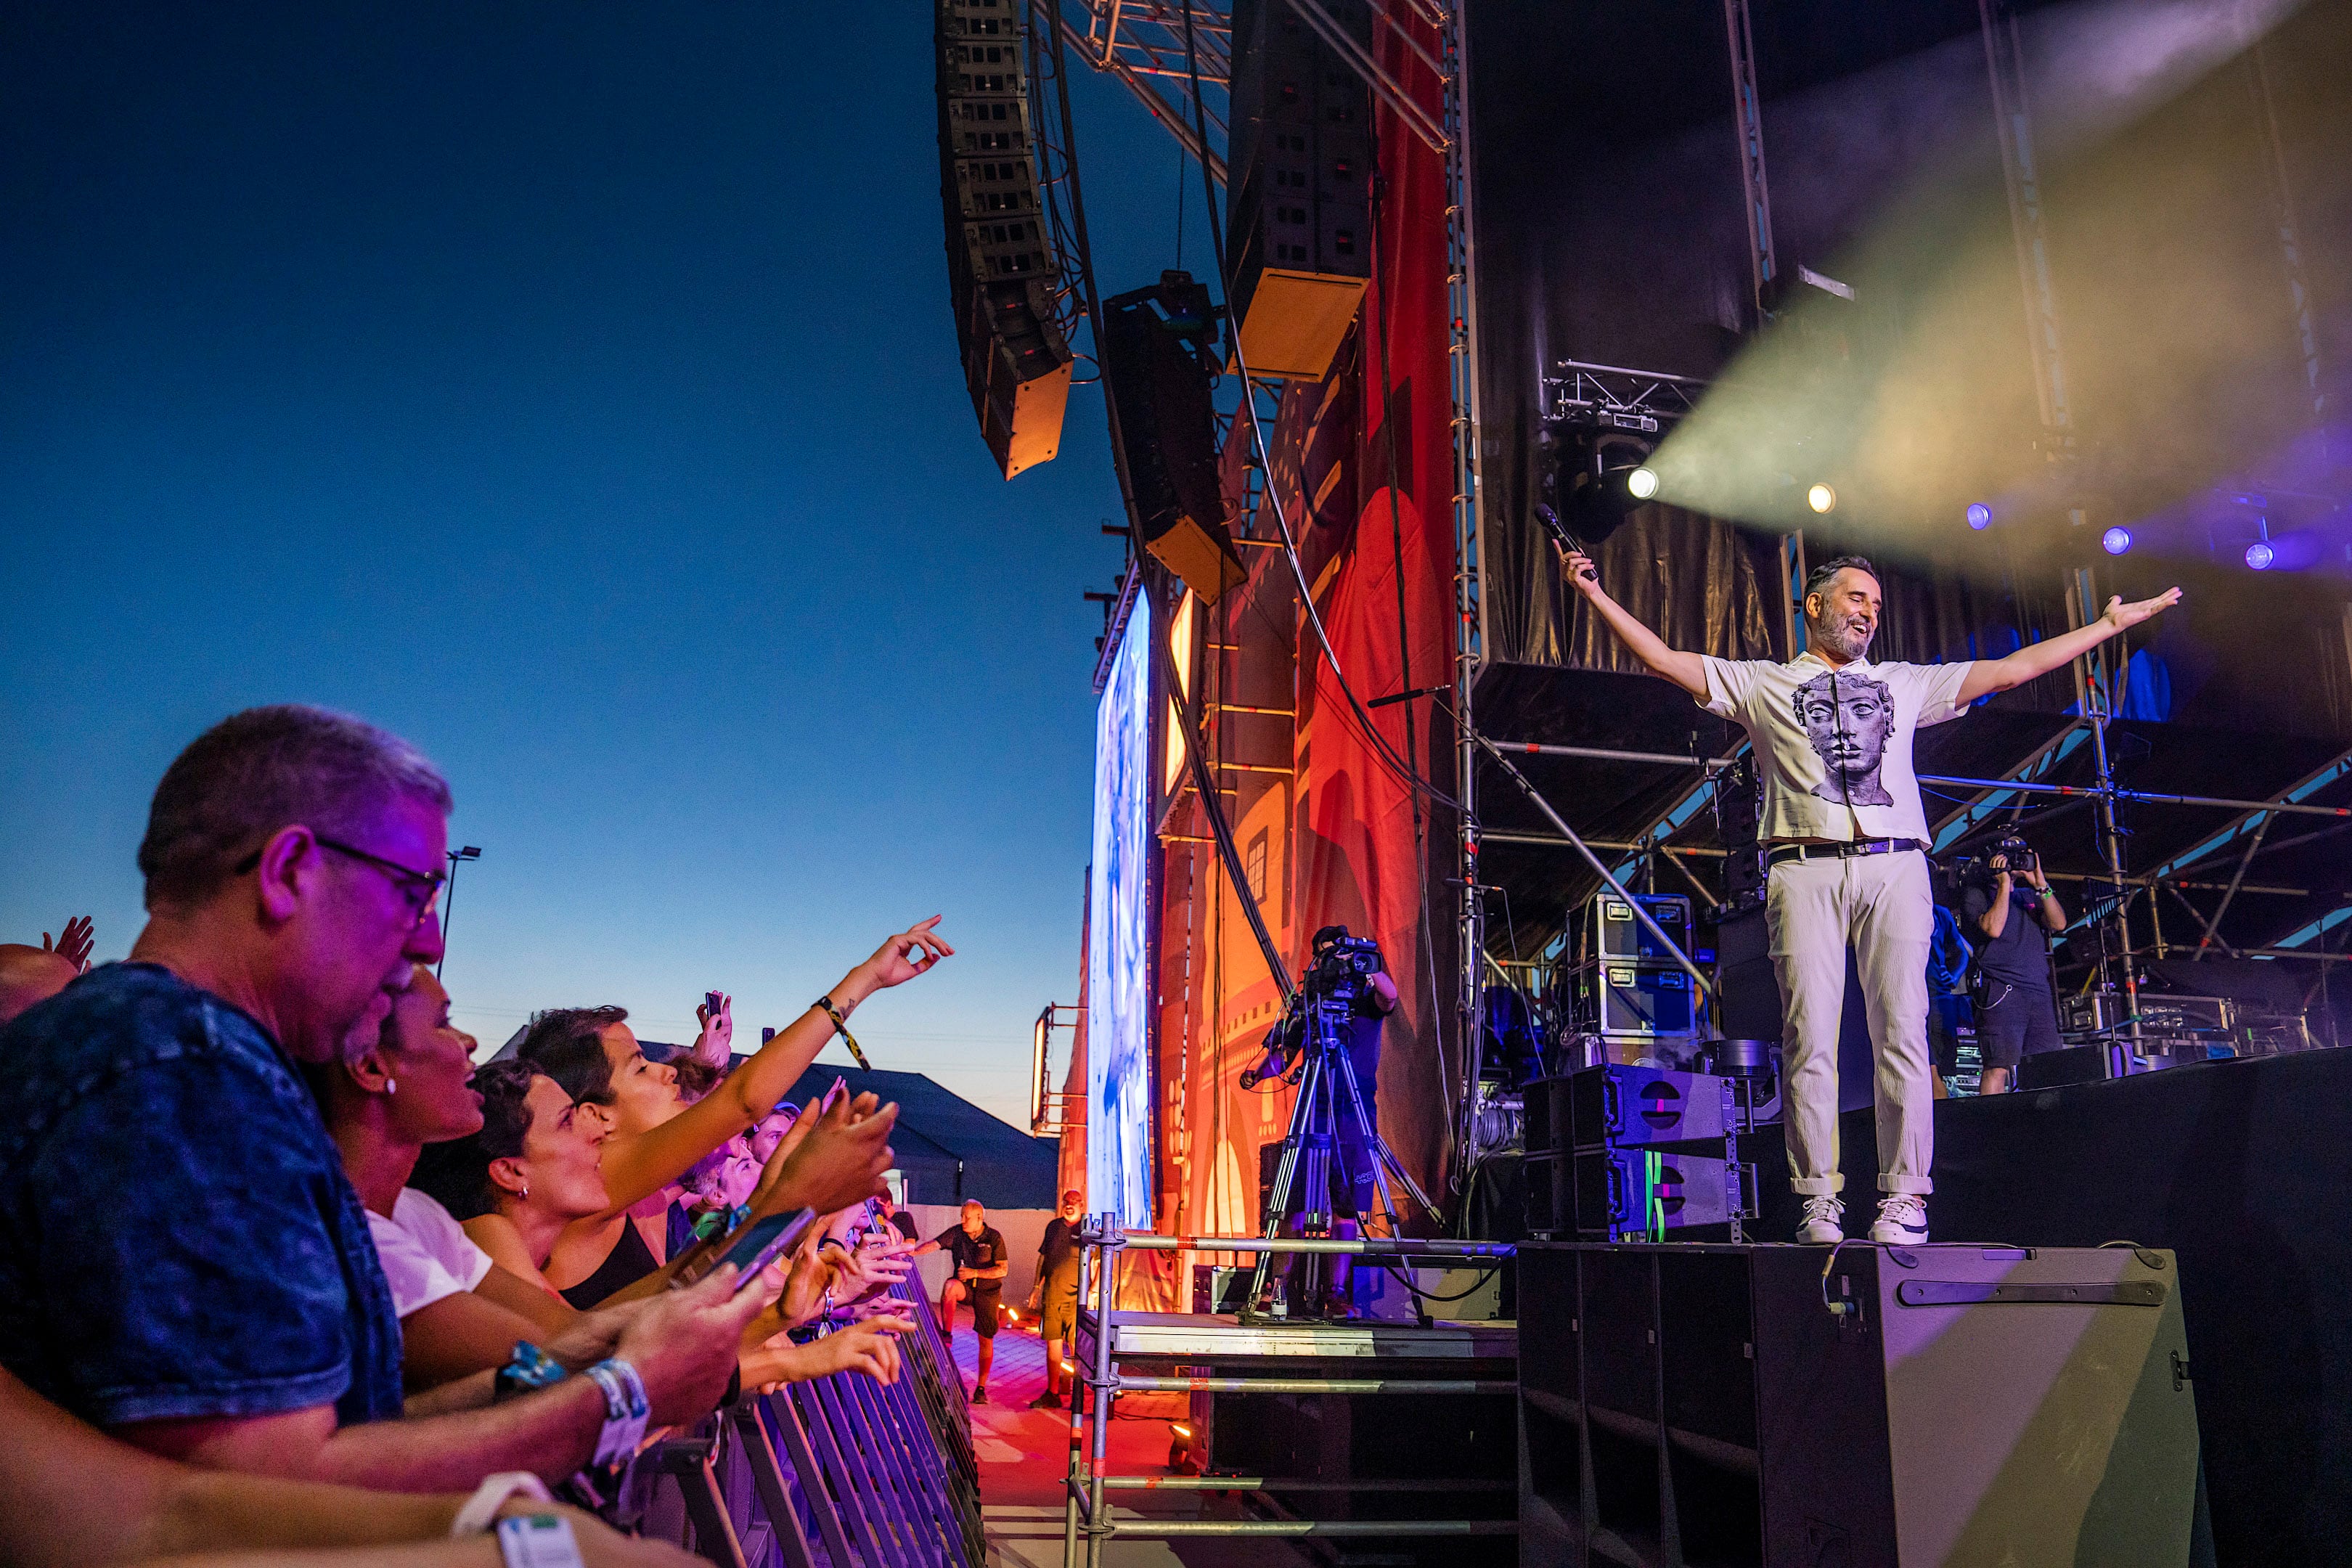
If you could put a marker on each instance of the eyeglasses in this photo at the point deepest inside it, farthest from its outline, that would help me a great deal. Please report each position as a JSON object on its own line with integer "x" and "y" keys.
{"x": 419, "y": 888}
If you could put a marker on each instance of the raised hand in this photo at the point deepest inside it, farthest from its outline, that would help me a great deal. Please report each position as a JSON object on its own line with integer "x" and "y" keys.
{"x": 874, "y": 1267}
{"x": 841, "y": 1161}
{"x": 73, "y": 943}
{"x": 715, "y": 1044}
{"x": 2122, "y": 616}
{"x": 910, "y": 952}
{"x": 1581, "y": 576}
{"x": 870, "y": 1347}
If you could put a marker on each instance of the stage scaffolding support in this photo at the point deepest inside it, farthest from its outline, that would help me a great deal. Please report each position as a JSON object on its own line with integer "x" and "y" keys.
{"x": 2021, "y": 174}
{"x": 1963, "y": 820}
{"x": 1748, "y": 116}
{"x": 1469, "y": 556}
{"x": 1141, "y": 44}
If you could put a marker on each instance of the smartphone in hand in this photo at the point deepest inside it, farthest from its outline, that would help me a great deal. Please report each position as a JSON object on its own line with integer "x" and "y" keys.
{"x": 710, "y": 1002}
{"x": 751, "y": 1246}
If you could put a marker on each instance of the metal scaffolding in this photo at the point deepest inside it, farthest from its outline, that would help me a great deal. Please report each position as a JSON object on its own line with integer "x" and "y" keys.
{"x": 1088, "y": 1522}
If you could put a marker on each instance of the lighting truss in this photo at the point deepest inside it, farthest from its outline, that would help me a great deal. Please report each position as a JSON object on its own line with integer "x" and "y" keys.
{"x": 1141, "y": 43}
{"x": 1613, "y": 397}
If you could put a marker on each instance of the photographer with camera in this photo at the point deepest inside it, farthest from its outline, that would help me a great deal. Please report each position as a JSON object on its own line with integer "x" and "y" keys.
{"x": 2016, "y": 1000}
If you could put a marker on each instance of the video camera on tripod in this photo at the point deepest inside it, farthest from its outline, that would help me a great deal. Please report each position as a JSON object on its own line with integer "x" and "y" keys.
{"x": 1340, "y": 976}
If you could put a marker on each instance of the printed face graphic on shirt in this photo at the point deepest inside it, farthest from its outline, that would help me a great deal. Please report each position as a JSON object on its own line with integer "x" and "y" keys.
{"x": 1848, "y": 719}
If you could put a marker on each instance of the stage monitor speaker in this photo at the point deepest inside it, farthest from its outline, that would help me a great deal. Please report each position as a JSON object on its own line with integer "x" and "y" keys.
{"x": 1623, "y": 1106}
{"x": 1628, "y": 1193}
{"x": 1156, "y": 357}
{"x": 1002, "y": 270}
{"x": 1912, "y": 1407}
{"x": 1298, "y": 193}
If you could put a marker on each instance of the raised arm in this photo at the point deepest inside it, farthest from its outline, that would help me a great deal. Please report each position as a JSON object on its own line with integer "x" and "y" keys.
{"x": 1987, "y": 675}
{"x": 1686, "y": 671}
{"x": 637, "y": 1167}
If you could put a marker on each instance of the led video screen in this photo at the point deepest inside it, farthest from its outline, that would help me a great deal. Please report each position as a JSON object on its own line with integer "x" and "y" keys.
{"x": 1119, "y": 971}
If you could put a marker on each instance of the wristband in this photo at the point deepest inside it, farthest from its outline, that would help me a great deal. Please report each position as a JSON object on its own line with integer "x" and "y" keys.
{"x": 841, "y": 1027}
{"x": 626, "y": 1410}
{"x": 481, "y": 1509}
{"x": 538, "y": 1541}
{"x": 527, "y": 1368}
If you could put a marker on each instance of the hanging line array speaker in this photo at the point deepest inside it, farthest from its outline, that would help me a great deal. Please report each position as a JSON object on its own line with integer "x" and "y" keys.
{"x": 1159, "y": 352}
{"x": 1000, "y": 264}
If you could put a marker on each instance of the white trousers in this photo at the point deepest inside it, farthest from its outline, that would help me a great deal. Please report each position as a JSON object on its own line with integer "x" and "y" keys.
{"x": 1881, "y": 904}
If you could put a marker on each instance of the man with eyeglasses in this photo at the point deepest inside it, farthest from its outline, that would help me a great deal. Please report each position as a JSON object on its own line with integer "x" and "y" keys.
{"x": 181, "y": 1262}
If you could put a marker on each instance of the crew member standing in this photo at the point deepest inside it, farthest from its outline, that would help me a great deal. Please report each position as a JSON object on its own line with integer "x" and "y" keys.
{"x": 2016, "y": 1007}
{"x": 1845, "y": 836}
{"x": 1055, "y": 1297}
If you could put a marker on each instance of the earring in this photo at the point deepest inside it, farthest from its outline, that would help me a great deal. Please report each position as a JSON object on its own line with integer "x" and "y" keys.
{"x": 526, "y": 1191}
{"x": 392, "y": 1086}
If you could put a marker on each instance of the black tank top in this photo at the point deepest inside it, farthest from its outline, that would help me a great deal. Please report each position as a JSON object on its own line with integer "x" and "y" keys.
{"x": 629, "y": 1261}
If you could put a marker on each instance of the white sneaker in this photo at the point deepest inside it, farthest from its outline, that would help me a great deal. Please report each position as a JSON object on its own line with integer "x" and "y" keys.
{"x": 1902, "y": 1221}
{"x": 1824, "y": 1221}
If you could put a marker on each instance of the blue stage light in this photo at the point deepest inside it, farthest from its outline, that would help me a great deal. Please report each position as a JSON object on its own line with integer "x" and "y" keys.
{"x": 2116, "y": 541}
{"x": 2259, "y": 556}
{"x": 1980, "y": 516}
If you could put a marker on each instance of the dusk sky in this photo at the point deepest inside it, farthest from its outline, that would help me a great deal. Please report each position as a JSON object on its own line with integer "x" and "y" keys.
{"x": 573, "y": 389}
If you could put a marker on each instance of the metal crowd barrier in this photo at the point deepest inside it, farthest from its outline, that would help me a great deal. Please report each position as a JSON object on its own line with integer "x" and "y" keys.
{"x": 840, "y": 1472}
{"x": 1086, "y": 1515}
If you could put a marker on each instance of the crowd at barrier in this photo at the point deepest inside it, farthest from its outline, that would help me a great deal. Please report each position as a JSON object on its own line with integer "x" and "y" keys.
{"x": 285, "y": 1277}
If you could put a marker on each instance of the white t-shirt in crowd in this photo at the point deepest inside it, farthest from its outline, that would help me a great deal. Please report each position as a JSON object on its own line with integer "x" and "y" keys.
{"x": 425, "y": 1254}
{"x": 1834, "y": 746}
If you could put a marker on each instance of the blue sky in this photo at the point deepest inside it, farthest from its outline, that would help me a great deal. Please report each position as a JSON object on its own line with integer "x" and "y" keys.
{"x": 571, "y": 388}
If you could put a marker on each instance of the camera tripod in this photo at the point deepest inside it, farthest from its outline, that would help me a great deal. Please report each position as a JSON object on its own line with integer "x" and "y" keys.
{"x": 1311, "y": 1149}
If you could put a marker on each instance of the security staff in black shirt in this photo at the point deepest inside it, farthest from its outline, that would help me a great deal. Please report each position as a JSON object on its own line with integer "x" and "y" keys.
{"x": 981, "y": 1265}
{"x": 2010, "y": 912}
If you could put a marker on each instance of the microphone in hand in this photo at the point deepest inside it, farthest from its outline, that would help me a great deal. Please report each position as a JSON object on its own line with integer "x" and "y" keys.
{"x": 1572, "y": 553}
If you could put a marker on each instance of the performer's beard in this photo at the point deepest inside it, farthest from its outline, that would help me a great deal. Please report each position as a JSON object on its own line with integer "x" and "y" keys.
{"x": 1848, "y": 635}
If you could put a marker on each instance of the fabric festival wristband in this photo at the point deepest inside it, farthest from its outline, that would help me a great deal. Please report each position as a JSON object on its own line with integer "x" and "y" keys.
{"x": 539, "y": 1540}
{"x": 626, "y": 1410}
{"x": 841, "y": 1027}
{"x": 481, "y": 1509}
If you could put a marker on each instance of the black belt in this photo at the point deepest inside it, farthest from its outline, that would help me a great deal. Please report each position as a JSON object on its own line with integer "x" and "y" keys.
{"x": 1786, "y": 852}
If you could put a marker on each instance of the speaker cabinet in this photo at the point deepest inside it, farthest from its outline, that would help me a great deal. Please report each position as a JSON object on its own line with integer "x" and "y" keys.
{"x": 1915, "y": 1408}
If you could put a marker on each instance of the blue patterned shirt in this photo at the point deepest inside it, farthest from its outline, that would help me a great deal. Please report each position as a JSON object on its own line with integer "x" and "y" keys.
{"x": 177, "y": 1237}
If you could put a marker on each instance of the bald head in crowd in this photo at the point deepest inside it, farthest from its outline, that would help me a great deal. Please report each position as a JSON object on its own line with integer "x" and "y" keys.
{"x": 31, "y": 975}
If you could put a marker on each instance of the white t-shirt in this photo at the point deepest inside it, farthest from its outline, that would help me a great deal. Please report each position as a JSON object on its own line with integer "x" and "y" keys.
{"x": 1834, "y": 745}
{"x": 425, "y": 1254}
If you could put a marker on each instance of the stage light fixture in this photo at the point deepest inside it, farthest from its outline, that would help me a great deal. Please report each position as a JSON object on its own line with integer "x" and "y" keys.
{"x": 1980, "y": 516}
{"x": 2116, "y": 541}
{"x": 1821, "y": 498}
{"x": 2259, "y": 556}
{"x": 1642, "y": 483}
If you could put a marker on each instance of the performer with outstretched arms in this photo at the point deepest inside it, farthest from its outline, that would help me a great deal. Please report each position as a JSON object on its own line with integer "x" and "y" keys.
{"x": 1846, "y": 835}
